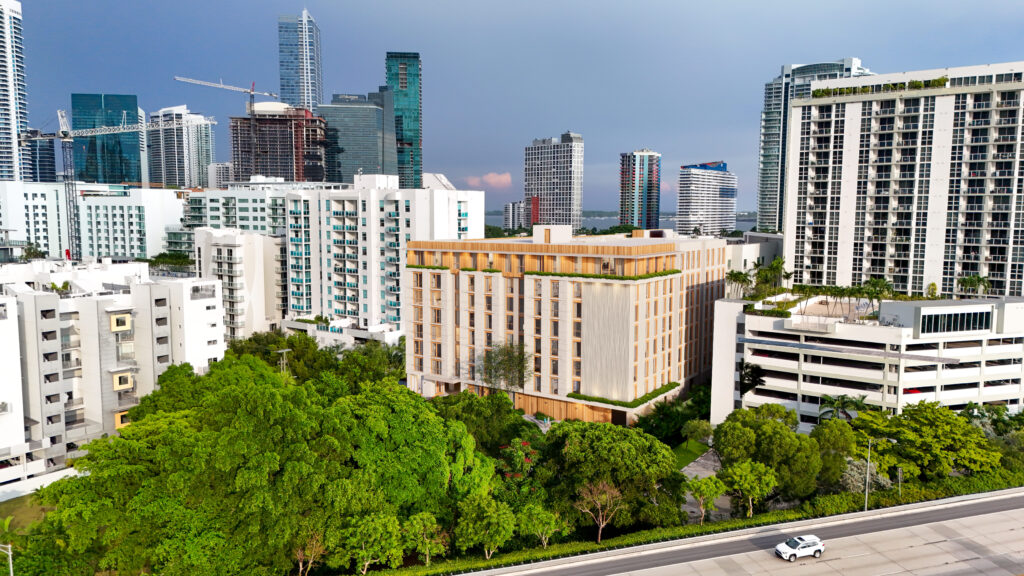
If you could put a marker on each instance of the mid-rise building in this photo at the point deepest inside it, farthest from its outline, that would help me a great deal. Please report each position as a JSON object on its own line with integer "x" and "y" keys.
{"x": 114, "y": 221}
{"x": 82, "y": 345}
{"x": 179, "y": 156}
{"x": 109, "y": 158}
{"x": 252, "y": 270}
{"x": 610, "y": 317}
{"x": 404, "y": 79}
{"x": 220, "y": 174}
{"x": 13, "y": 94}
{"x": 947, "y": 351}
{"x": 707, "y": 199}
{"x": 289, "y": 144}
{"x": 909, "y": 177}
{"x": 298, "y": 42}
{"x": 640, "y": 189}
{"x": 514, "y": 215}
{"x": 553, "y": 180}
{"x": 360, "y": 135}
{"x": 793, "y": 81}
{"x": 40, "y": 159}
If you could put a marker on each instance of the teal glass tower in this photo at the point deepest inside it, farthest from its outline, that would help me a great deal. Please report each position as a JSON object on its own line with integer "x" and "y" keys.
{"x": 360, "y": 135}
{"x": 404, "y": 75}
{"x": 110, "y": 158}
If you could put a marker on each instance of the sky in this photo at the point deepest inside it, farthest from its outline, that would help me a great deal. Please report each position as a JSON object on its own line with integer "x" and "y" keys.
{"x": 685, "y": 79}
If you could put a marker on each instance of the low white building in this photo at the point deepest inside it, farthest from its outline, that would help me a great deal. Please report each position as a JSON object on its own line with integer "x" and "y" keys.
{"x": 82, "y": 344}
{"x": 950, "y": 351}
{"x": 754, "y": 249}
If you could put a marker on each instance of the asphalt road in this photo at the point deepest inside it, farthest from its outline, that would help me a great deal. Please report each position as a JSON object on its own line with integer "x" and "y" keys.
{"x": 771, "y": 536}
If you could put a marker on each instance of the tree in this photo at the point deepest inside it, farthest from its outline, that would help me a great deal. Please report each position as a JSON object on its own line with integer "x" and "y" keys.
{"x": 705, "y": 491}
{"x": 843, "y": 405}
{"x": 836, "y": 441}
{"x": 699, "y": 430}
{"x": 666, "y": 419}
{"x": 876, "y": 290}
{"x": 534, "y": 520}
{"x": 979, "y": 285}
{"x": 506, "y": 367}
{"x": 739, "y": 282}
{"x": 751, "y": 481}
{"x": 375, "y": 539}
{"x": 696, "y": 231}
{"x": 751, "y": 376}
{"x": 490, "y": 419}
{"x": 493, "y": 231}
{"x": 484, "y": 522}
{"x": 32, "y": 252}
{"x": 424, "y": 536}
{"x": 795, "y": 458}
{"x": 734, "y": 442}
{"x": 601, "y": 501}
{"x": 517, "y": 483}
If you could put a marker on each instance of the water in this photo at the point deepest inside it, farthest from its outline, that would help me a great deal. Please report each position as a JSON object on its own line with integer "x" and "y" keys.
{"x": 603, "y": 222}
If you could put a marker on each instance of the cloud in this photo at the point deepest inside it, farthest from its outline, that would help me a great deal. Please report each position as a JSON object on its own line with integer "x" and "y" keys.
{"x": 490, "y": 180}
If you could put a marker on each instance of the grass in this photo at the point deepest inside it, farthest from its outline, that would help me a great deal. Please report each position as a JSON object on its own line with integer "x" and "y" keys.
{"x": 24, "y": 510}
{"x": 688, "y": 452}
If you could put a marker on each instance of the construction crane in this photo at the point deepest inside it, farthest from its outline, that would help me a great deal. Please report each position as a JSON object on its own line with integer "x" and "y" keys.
{"x": 67, "y": 137}
{"x": 251, "y": 91}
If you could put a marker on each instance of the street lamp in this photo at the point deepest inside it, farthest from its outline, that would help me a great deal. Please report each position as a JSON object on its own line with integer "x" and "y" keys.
{"x": 9, "y": 550}
{"x": 867, "y": 474}
{"x": 283, "y": 363}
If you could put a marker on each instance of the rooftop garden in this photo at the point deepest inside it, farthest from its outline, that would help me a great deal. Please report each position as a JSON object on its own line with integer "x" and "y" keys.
{"x": 881, "y": 88}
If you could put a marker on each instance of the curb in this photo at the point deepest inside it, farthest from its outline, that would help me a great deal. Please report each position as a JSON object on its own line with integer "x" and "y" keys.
{"x": 696, "y": 541}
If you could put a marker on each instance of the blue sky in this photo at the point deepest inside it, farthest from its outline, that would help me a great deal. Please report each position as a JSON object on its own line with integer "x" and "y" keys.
{"x": 682, "y": 78}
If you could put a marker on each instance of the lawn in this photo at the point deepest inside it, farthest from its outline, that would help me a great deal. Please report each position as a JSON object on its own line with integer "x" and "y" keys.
{"x": 688, "y": 452}
{"x": 24, "y": 511}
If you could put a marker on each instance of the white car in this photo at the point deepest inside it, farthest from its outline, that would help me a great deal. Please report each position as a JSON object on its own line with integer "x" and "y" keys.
{"x": 800, "y": 547}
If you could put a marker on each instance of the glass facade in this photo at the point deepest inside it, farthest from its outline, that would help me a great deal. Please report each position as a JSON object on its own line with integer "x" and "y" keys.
{"x": 640, "y": 189}
{"x": 360, "y": 135}
{"x": 110, "y": 158}
{"x": 13, "y": 96}
{"x": 40, "y": 160}
{"x": 298, "y": 40}
{"x": 404, "y": 80}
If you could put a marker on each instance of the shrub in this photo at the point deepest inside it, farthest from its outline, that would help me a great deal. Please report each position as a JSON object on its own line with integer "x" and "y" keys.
{"x": 631, "y": 404}
{"x": 841, "y": 503}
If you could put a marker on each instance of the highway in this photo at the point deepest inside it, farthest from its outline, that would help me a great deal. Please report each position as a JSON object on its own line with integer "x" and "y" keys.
{"x": 770, "y": 536}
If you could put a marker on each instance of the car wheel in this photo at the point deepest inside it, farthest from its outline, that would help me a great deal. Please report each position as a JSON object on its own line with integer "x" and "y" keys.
{"x": 792, "y": 558}
{"x": 817, "y": 553}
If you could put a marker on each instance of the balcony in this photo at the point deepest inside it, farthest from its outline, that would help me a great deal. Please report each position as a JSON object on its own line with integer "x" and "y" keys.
{"x": 1008, "y": 103}
{"x": 981, "y": 105}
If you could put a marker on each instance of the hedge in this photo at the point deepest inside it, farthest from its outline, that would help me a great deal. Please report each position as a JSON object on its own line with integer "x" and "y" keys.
{"x": 772, "y": 312}
{"x": 423, "y": 267}
{"x": 631, "y": 404}
{"x": 603, "y": 276}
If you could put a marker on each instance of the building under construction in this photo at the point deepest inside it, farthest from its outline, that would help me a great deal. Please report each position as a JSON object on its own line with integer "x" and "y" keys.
{"x": 289, "y": 144}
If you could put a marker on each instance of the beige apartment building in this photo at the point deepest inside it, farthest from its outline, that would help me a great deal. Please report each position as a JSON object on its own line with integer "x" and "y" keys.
{"x": 611, "y": 317}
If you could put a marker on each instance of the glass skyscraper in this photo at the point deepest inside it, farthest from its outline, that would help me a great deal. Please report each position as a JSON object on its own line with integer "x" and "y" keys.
{"x": 360, "y": 135}
{"x": 40, "y": 159}
{"x": 793, "y": 82}
{"x": 404, "y": 74}
{"x": 298, "y": 43}
{"x": 13, "y": 95}
{"x": 640, "y": 189}
{"x": 110, "y": 158}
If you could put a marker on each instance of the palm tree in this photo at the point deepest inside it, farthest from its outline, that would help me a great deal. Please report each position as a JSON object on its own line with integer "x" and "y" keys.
{"x": 842, "y": 405}
{"x": 984, "y": 285}
{"x": 968, "y": 283}
{"x": 738, "y": 282}
{"x": 876, "y": 290}
{"x": 751, "y": 376}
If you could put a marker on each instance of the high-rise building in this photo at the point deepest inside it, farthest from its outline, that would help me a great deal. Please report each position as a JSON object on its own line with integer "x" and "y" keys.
{"x": 289, "y": 144}
{"x": 13, "y": 94}
{"x": 513, "y": 215}
{"x": 360, "y": 135}
{"x": 220, "y": 174}
{"x": 404, "y": 80}
{"x": 640, "y": 189}
{"x": 179, "y": 157}
{"x": 40, "y": 159}
{"x": 614, "y": 317}
{"x": 298, "y": 39}
{"x": 707, "y": 199}
{"x": 109, "y": 158}
{"x": 78, "y": 357}
{"x": 553, "y": 180}
{"x": 794, "y": 81}
{"x": 909, "y": 177}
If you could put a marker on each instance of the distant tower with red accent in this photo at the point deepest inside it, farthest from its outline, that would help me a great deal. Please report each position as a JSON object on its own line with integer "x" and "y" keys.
{"x": 553, "y": 180}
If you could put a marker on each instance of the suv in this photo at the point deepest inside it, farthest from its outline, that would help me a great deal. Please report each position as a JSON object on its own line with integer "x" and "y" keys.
{"x": 799, "y": 547}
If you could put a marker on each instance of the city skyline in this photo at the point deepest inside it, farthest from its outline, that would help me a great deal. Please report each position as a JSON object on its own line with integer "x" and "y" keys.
{"x": 465, "y": 138}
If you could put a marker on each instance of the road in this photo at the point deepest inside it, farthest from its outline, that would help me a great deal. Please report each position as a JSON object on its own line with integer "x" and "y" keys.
{"x": 766, "y": 540}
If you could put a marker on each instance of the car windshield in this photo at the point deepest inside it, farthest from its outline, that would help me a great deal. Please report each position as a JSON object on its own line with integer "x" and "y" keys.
{"x": 793, "y": 543}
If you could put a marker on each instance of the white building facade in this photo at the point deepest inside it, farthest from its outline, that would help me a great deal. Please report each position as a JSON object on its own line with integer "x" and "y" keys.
{"x": 707, "y": 199}
{"x": 910, "y": 177}
{"x": 513, "y": 216}
{"x": 180, "y": 156}
{"x": 949, "y": 351}
{"x": 553, "y": 174}
{"x": 14, "y": 99}
{"x": 220, "y": 174}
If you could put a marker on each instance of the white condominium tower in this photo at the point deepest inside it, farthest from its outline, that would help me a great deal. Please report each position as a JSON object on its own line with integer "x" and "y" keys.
{"x": 707, "y": 199}
{"x": 13, "y": 95}
{"x": 794, "y": 81}
{"x": 179, "y": 156}
{"x": 553, "y": 181}
{"x": 910, "y": 177}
